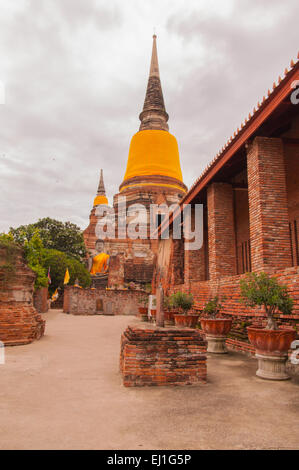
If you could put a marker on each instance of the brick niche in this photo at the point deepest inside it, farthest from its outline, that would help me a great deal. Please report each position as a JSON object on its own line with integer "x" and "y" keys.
{"x": 161, "y": 356}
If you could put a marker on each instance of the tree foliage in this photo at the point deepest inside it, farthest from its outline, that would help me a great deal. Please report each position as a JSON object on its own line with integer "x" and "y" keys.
{"x": 33, "y": 254}
{"x": 40, "y": 259}
{"x": 9, "y": 251}
{"x": 263, "y": 290}
{"x": 62, "y": 236}
{"x": 59, "y": 262}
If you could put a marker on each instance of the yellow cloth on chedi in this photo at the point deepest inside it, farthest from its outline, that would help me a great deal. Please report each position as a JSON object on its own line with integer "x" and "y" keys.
{"x": 154, "y": 152}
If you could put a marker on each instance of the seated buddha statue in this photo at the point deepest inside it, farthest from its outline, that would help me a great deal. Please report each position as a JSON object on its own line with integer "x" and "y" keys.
{"x": 100, "y": 264}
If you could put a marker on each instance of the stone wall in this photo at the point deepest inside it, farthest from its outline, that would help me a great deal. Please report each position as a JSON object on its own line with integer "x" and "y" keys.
{"x": 160, "y": 356}
{"x": 19, "y": 321}
{"x": 101, "y": 301}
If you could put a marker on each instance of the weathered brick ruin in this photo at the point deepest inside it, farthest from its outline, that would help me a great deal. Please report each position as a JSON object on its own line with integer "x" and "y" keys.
{"x": 19, "y": 321}
{"x": 162, "y": 356}
{"x": 250, "y": 197}
{"x": 101, "y": 301}
{"x": 40, "y": 299}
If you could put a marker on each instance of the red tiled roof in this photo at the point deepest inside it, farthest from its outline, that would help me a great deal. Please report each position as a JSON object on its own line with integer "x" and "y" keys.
{"x": 254, "y": 120}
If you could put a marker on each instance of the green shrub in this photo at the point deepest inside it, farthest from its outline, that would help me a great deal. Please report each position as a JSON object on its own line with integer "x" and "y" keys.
{"x": 263, "y": 290}
{"x": 182, "y": 301}
{"x": 212, "y": 307}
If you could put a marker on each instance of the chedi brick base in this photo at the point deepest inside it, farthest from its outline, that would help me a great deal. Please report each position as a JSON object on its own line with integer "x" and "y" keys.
{"x": 160, "y": 356}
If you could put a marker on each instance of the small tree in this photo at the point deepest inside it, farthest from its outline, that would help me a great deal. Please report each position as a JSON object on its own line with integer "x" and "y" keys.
{"x": 212, "y": 307}
{"x": 263, "y": 290}
{"x": 181, "y": 301}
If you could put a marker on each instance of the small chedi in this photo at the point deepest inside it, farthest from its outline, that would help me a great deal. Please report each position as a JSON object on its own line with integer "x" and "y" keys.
{"x": 19, "y": 321}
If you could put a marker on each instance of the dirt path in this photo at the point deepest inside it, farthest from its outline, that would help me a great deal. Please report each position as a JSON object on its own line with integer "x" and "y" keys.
{"x": 65, "y": 392}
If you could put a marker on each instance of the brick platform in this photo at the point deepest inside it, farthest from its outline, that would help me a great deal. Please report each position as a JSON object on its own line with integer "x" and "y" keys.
{"x": 160, "y": 356}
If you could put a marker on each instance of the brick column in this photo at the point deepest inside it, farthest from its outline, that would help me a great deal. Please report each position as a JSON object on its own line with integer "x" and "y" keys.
{"x": 268, "y": 210}
{"x": 221, "y": 231}
{"x": 194, "y": 259}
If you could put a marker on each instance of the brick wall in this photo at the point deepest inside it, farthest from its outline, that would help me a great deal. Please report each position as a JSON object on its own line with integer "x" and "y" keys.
{"x": 221, "y": 233}
{"x": 291, "y": 153}
{"x": 243, "y": 316}
{"x": 153, "y": 356}
{"x": 268, "y": 209}
{"x": 101, "y": 301}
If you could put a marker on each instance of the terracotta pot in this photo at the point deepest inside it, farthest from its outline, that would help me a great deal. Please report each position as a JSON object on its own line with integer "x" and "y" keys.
{"x": 169, "y": 317}
{"x": 216, "y": 330}
{"x": 271, "y": 341}
{"x": 271, "y": 351}
{"x": 186, "y": 321}
{"x": 143, "y": 313}
{"x": 216, "y": 326}
{"x": 142, "y": 310}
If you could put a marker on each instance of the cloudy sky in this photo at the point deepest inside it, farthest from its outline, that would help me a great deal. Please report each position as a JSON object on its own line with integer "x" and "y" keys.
{"x": 75, "y": 74}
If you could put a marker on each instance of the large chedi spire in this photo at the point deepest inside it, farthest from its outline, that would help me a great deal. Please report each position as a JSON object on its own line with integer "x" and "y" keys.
{"x": 154, "y": 115}
{"x": 101, "y": 187}
{"x": 153, "y": 160}
{"x": 101, "y": 193}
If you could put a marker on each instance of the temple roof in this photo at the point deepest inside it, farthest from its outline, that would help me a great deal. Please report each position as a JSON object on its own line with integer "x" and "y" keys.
{"x": 273, "y": 100}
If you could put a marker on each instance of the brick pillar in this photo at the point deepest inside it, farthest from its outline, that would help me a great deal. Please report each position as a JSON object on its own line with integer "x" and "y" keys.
{"x": 268, "y": 210}
{"x": 221, "y": 231}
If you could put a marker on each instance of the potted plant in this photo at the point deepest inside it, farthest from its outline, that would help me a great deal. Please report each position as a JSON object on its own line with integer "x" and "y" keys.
{"x": 143, "y": 309}
{"x": 168, "y": 313}
{"x": 271, "y": 343}
{"x": 183, "y": 303}
{"x": 216, "y": 328}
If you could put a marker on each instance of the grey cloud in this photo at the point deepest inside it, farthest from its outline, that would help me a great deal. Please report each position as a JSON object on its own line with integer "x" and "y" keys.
{"x": 75, "y": 89}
